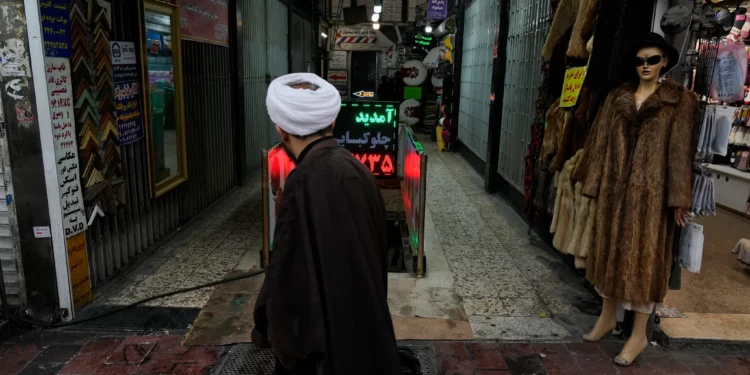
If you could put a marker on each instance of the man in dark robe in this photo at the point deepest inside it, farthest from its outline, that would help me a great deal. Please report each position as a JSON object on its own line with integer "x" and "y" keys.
{"x": 323, "y": 307}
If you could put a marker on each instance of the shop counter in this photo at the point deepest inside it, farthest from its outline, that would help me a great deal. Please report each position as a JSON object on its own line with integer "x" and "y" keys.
{"x": 732, "y": 187}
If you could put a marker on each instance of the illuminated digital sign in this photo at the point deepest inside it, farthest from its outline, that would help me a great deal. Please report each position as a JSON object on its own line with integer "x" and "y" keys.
{"x": 369, "y": 130}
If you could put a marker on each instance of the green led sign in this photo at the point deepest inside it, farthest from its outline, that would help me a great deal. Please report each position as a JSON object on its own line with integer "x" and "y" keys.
{"x": 369, "y": 130}
{"x": 423, "y": 40}
{"x": 376, "y": 118}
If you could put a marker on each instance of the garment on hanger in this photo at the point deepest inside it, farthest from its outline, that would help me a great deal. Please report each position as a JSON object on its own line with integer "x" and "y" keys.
{"x": 691, "y": 247}
{"x": 703, "y": 194}
{"x": 705, "y": 138}
{"x": 721, "y": 128}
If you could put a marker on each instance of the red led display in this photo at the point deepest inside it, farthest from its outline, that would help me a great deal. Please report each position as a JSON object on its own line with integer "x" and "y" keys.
{"x": 381, "y": 164}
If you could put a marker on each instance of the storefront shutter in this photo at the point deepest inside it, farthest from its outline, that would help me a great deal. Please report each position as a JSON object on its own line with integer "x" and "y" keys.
{"x": 264, "y": 46}
{"x": 527, "y": 31}
{"x": 480, "y": 25}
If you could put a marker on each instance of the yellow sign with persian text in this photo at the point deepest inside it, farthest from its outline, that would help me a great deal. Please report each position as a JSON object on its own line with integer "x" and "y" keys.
{"x": 572, "y": 86}
{"x": 78, "y": 262}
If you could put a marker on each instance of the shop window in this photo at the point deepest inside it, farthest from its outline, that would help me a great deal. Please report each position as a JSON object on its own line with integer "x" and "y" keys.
{"x": 162, "y": 64}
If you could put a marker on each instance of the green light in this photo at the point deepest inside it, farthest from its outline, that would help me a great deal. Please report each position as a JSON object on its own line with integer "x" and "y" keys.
{"x": 343, "y": 104}
{"x": 366, "y": 105}
{"x": 378, "y": 105}
{"x": 355, "y": 105}
{"x": 371, "y": 118}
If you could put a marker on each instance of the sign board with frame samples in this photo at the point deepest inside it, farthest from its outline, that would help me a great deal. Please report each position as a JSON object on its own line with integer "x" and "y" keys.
{"x": 369, "y": 130}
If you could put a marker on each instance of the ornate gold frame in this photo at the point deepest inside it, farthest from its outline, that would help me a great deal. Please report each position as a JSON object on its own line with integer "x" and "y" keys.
{"x": 158, "y": 189}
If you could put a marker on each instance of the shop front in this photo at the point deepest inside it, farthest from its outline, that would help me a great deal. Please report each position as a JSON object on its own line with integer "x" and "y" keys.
{"x": 137, "y": 117}
{"x": 581, "y": 83}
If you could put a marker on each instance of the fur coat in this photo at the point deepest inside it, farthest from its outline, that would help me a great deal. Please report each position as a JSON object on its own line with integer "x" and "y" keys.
{"x": 637, "y": 164}
{"x": 581, "y": 16}
{"x": 572, "y": 221}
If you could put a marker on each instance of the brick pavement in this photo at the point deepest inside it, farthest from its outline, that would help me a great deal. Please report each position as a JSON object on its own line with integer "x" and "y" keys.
{"x": 471, "y": 358}
{"x": 92, "y": 353}
{"x": 76, "y": 355}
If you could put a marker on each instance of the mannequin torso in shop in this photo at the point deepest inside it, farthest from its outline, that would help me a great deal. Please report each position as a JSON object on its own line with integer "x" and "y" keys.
{"x": 637, "y": 163}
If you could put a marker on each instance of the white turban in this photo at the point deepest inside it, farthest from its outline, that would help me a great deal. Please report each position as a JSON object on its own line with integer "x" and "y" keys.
{"x": 299, "y": 111}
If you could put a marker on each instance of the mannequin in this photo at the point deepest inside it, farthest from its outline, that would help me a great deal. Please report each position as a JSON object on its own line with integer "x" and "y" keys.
{"x": 637, "y": 164}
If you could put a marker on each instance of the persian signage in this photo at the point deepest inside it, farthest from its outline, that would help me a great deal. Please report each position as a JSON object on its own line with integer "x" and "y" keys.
{"x": 78, "y": 262}
{"x": 338, "y": 60}
{"x": 55, "y": 28}
{"x": 127, "y": 92}
{"x": 205, "y": 20}
{"x": 572, "y": 86}
{"x": 369, "y": 130}
{"x": 437, "y": 9}
{"x": 60, "y": 91}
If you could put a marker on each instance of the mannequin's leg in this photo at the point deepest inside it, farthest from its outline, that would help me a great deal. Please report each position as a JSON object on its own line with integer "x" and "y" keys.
{"x": 607, "y": 321}
{"x": 637, "y": 342}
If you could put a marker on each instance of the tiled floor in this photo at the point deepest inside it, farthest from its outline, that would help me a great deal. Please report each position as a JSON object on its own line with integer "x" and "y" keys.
{"x": 480, "y": 261}
{"x": 512, "y": 285}
{"x": 74, "y": 353}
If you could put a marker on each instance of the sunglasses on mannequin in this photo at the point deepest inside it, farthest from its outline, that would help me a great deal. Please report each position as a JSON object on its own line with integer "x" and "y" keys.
{"x": 653, "y": 60}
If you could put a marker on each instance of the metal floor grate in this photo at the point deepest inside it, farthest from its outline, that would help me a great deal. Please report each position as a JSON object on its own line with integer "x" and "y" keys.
{"x": 246, "y": 359}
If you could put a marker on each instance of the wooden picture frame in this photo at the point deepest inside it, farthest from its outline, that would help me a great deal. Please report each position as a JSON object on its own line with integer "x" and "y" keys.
{"x": 159, "y": 185}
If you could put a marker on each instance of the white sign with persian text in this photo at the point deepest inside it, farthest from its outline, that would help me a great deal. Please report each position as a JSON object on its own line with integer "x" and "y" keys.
{"x": 60, "y": 91}
{"x": 338, "y": 60}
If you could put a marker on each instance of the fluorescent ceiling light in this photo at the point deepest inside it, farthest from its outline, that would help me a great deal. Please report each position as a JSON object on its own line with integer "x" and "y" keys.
{"x": 376, "y": 26}
{"x": 375, "y": 17}
{"x": 378, "y": 8}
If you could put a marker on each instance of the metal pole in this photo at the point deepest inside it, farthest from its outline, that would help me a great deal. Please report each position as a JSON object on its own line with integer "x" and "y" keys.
{"x": 691, "y": 60}
{"x": 457, "y": 59}
{"x": 498, "y": 92}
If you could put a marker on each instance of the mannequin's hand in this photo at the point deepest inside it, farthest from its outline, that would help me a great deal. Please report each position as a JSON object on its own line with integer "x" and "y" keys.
{"x": 679, "y": 217}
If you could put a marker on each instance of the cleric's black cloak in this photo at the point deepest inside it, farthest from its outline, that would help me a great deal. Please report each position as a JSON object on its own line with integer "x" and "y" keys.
{"x": 324, "y": 300}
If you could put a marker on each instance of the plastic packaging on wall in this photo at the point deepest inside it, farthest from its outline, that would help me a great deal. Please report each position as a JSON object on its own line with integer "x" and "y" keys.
{"x": 729, "y": 73}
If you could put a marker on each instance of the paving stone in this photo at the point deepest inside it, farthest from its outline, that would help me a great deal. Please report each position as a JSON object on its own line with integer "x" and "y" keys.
{"x": 57, "y": 354}
{"x": 597, "y": 364}
{"x": 117, "y": 369}
{"x": 456, "y": 366}
{"x": 191, "y": 369}
{"x": 40, "y": 369}
{"x": 489, "y": 359}
{"x": 451, "y": 349}
{"x": 104, "y": 345}
{"x": 158, "y": 364}
{"x": 201, "y": 355}
{"x": 536, "y": 329}
{"x": 84, "y": 364}
{"x": 14, "y": 362}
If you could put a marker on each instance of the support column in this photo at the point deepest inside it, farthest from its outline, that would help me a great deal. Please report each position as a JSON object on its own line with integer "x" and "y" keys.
{"x": 32, "y": 159}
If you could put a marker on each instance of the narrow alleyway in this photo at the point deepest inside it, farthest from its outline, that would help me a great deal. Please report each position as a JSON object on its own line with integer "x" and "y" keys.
{"x": 479, "y": 259}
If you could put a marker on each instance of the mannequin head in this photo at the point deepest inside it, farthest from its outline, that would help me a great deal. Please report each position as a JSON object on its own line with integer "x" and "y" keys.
{"x": 650, "y": 63}
{"x": 650, "y": 57}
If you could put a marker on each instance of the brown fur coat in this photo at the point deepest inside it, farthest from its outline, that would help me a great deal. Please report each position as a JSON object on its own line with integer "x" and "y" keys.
{"x": 637, "y": 163}
{"x": 581, "y": 16}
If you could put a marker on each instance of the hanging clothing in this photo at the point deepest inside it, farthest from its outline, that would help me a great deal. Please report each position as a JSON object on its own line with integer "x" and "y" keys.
{"x": 637, "y": 164}
{"x": 581, "y": 15}
{"x": 574, "y": 216}
{"x": 575, "y": 126}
